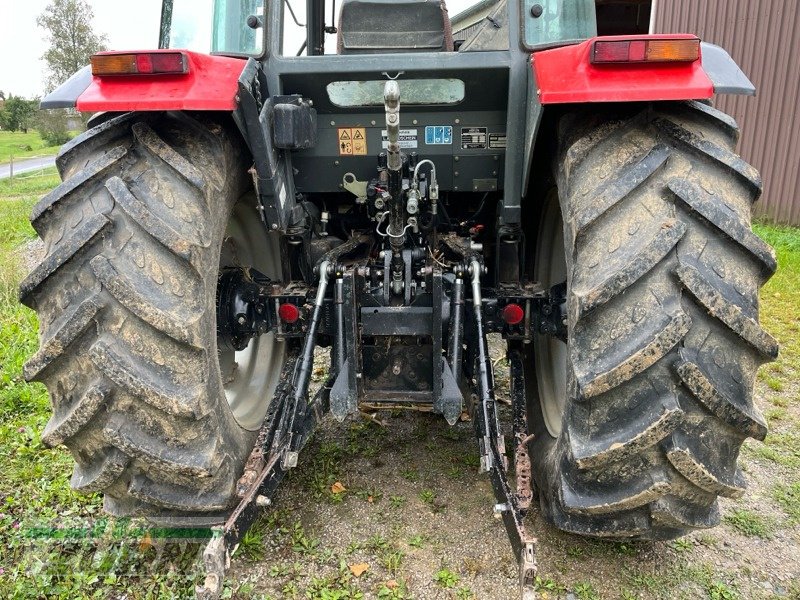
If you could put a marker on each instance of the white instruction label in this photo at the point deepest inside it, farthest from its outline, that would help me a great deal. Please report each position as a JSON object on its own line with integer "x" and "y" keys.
{"x": 407, "y": 139}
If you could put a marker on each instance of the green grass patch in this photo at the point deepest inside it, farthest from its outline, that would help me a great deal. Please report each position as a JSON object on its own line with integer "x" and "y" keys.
{"x": 750, "y": 524}
{"x": 788, "y": 496}
{"x": 780, "y": 299}
{"x": 23, "y": 145}
{"x": 29, "y": 185}
{"x": 780, "y": 448}
{"x": 57, "y": 543}
{"x": 16, "y": 200}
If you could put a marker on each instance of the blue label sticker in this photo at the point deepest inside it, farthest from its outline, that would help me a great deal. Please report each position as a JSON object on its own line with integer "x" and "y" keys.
{"x": 438, "y": 135}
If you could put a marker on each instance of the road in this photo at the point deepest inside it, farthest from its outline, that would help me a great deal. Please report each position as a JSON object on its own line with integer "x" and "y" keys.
{"x": 26, "y": 165}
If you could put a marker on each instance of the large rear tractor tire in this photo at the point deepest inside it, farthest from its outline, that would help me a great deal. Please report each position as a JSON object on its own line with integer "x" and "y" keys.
{"x": 159, "y": 420}
{"x": 640, "y": 416}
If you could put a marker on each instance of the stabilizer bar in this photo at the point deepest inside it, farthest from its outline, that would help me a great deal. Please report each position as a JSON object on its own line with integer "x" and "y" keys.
{"x": 511, "y": 506}
{"x": 289, "y": 423}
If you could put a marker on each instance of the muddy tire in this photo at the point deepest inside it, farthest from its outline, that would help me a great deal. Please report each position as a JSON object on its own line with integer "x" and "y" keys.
{"x": 653, "y": 394}
{"x": 126, "y": 299}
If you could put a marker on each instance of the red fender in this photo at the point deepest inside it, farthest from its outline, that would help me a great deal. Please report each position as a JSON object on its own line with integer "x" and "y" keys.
{"x": 567, "y": 75}
{"x": 211, "y": 83}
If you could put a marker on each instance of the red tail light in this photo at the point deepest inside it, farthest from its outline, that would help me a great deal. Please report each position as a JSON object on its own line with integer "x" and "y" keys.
{"x": 288, "y": 313}
{"x": 646, "y": 50}
{"x": 139, "y": 63}
{"x": 513, "y": 314}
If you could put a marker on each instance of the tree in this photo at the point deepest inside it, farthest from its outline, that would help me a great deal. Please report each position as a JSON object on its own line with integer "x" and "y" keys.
{"x": 18, "y": 113}
{"x": 72, "y": 40}
{"x": 52, "y": 126}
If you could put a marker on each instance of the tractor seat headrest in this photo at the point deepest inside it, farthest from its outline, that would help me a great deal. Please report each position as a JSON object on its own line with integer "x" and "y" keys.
{"x": 380, "y": 26}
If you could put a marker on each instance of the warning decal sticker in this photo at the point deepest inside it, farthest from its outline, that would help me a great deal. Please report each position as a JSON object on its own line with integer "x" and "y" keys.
{"x": 352, "y": 141}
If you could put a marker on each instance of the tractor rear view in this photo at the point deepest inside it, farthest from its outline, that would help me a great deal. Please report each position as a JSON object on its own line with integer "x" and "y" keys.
{"x": 372, "y": 182}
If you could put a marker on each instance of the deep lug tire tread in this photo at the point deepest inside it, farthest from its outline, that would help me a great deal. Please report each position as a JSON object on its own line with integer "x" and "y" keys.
{"x": 127, "y": 348}
{"x": 663, "y": 322}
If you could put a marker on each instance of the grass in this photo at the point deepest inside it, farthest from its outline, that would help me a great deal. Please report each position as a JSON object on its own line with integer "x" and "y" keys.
{"x": 43, "y": 523}
{"x": 120, "y": 558}
{"x": 22, "y": 145}
{"x": 780, "y": 299}
{"x": 750, "y": 524}
{"x": 788, "y": 496}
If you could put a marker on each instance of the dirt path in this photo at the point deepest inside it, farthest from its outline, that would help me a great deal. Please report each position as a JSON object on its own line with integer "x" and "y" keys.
{"x": 416, "y": 511}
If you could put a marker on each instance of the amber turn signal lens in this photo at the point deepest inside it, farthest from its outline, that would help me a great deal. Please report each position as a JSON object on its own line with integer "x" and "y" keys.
{"x": 646, "y": 50}
{"x": 139, "y": 63}
{"x": 673, "y": 50}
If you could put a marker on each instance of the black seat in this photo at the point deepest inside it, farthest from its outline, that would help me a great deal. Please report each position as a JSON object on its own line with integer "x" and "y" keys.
{"x": 379, "y": 26}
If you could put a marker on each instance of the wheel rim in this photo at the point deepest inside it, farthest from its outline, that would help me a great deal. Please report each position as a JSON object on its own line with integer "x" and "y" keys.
{"x": 249, "y": 376}
{"x": 550, "y": 353}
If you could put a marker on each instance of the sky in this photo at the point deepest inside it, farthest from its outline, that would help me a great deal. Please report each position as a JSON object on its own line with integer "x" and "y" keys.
{"x": 128, "y": 25}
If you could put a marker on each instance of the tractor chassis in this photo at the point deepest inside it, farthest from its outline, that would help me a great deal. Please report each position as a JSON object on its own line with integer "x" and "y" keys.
{"x": 292, "y": 419}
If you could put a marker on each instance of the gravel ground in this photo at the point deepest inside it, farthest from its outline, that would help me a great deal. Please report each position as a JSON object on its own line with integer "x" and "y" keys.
{"x": 416, "y": 512}
{"x": 412, "y": 487}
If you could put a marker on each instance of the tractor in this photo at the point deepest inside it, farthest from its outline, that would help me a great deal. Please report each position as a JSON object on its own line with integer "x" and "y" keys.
{"x": 397, "y": 185}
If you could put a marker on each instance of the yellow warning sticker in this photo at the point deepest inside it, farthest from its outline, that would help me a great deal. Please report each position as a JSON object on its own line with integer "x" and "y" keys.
{"x": 352, "y": 141}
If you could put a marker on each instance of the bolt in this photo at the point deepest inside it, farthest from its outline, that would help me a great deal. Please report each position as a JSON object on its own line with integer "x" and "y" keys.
{"x": 396, "y": 369}
{"x": 262, "y": 501}
{"x": 456, "y": 158}
{"x": 274, "y": 226}
{"x": 499, "y": 509}
{"x": 333, "y": 123}
{"x": 536, "y": 11}
{"x": 336, "y": 162}
{"x": 414, "y": 121}
{"x": 241, "y": 320}
{"x": 458, "y": 121}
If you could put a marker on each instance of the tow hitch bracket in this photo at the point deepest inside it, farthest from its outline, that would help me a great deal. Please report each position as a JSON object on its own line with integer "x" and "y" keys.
{"x": 511, "y": 505}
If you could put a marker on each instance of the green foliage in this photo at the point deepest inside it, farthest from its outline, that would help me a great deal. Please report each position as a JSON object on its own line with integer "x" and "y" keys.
{"x": 682, "y": 545}
{"x": 750, "y": 524}
{"x": 52, "y": 126}
{"x": 396, "y": 591}
{"x": 21, "y": 145}
{"x": 427, "y": 496}
{"x": 788, "y": 496}
{"x": 71, "y": 39}
{"x": 446, "y": 578}
{"x": 391, "y": 561}
{"x": 585, "y": 591}
{"x": 544, "y": 584}
{"x": 721, "y": 591}
{"x": 18, "y": 114}
{"x": 397, "y": 501}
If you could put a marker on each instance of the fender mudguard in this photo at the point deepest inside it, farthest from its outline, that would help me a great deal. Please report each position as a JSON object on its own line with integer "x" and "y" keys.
{"x": 211, "y": 83}
{"x": 567, "y": 75}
